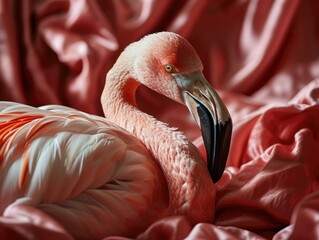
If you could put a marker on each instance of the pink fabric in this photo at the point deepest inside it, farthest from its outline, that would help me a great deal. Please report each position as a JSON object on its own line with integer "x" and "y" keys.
{"x": 27, "y": 222}
{"x": 262, "y": 56}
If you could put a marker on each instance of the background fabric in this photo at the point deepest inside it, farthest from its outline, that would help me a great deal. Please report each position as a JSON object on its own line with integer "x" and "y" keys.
{"x": 262, "y": 57}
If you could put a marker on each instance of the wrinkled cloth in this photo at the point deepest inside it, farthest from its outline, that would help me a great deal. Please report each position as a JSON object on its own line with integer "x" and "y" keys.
{"x": 261, "y": 56}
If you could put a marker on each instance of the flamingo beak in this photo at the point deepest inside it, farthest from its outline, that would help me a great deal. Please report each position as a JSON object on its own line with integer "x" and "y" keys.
{"x": 211, "y": 115}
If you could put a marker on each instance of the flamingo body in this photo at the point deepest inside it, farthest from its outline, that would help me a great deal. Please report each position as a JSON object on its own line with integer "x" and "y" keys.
{"x": 87, "y": 173}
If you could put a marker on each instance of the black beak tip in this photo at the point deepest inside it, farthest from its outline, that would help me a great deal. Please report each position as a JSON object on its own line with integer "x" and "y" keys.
{"x": 216, "y": 136}
{"x": 218, "y": 157}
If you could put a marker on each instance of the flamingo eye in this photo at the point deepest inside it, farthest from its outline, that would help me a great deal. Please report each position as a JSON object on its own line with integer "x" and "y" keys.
{"x": 169, "y": 68}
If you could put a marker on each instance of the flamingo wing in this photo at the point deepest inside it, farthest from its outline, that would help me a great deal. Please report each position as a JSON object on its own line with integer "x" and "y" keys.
{"x": 93, "y": 177}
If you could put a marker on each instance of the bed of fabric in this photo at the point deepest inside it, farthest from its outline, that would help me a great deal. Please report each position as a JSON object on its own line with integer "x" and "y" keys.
{"x": 261, "y": 56}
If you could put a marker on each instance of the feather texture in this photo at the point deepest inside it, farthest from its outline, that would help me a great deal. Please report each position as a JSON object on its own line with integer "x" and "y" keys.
{"x": 76, "y": 167}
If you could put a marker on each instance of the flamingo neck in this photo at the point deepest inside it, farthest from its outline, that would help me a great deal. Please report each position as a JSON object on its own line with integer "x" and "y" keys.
{"x": 185, "y": 172}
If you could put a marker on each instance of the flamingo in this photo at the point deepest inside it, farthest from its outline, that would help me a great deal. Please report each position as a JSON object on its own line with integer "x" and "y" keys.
{"x": 116, "y": 175}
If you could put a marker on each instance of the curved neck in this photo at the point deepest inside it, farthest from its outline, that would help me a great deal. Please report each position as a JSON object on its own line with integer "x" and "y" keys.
{"x": 179, "y": 159}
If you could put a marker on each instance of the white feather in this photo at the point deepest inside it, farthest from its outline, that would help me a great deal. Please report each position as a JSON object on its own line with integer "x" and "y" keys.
{"x": 81, "y": 170}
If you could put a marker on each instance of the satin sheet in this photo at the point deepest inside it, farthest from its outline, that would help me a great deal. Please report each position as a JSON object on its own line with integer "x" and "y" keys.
{"x": 262, "y": 56}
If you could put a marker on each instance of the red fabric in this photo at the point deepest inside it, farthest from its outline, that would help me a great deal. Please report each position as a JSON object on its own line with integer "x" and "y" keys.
{"x": 262, "y": 56}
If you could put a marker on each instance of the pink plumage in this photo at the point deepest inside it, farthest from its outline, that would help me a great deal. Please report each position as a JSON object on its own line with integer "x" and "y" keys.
{"x": 93, "y": 177}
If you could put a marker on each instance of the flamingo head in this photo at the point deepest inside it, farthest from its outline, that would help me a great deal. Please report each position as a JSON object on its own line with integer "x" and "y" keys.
{"x": 169, "y": 65}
